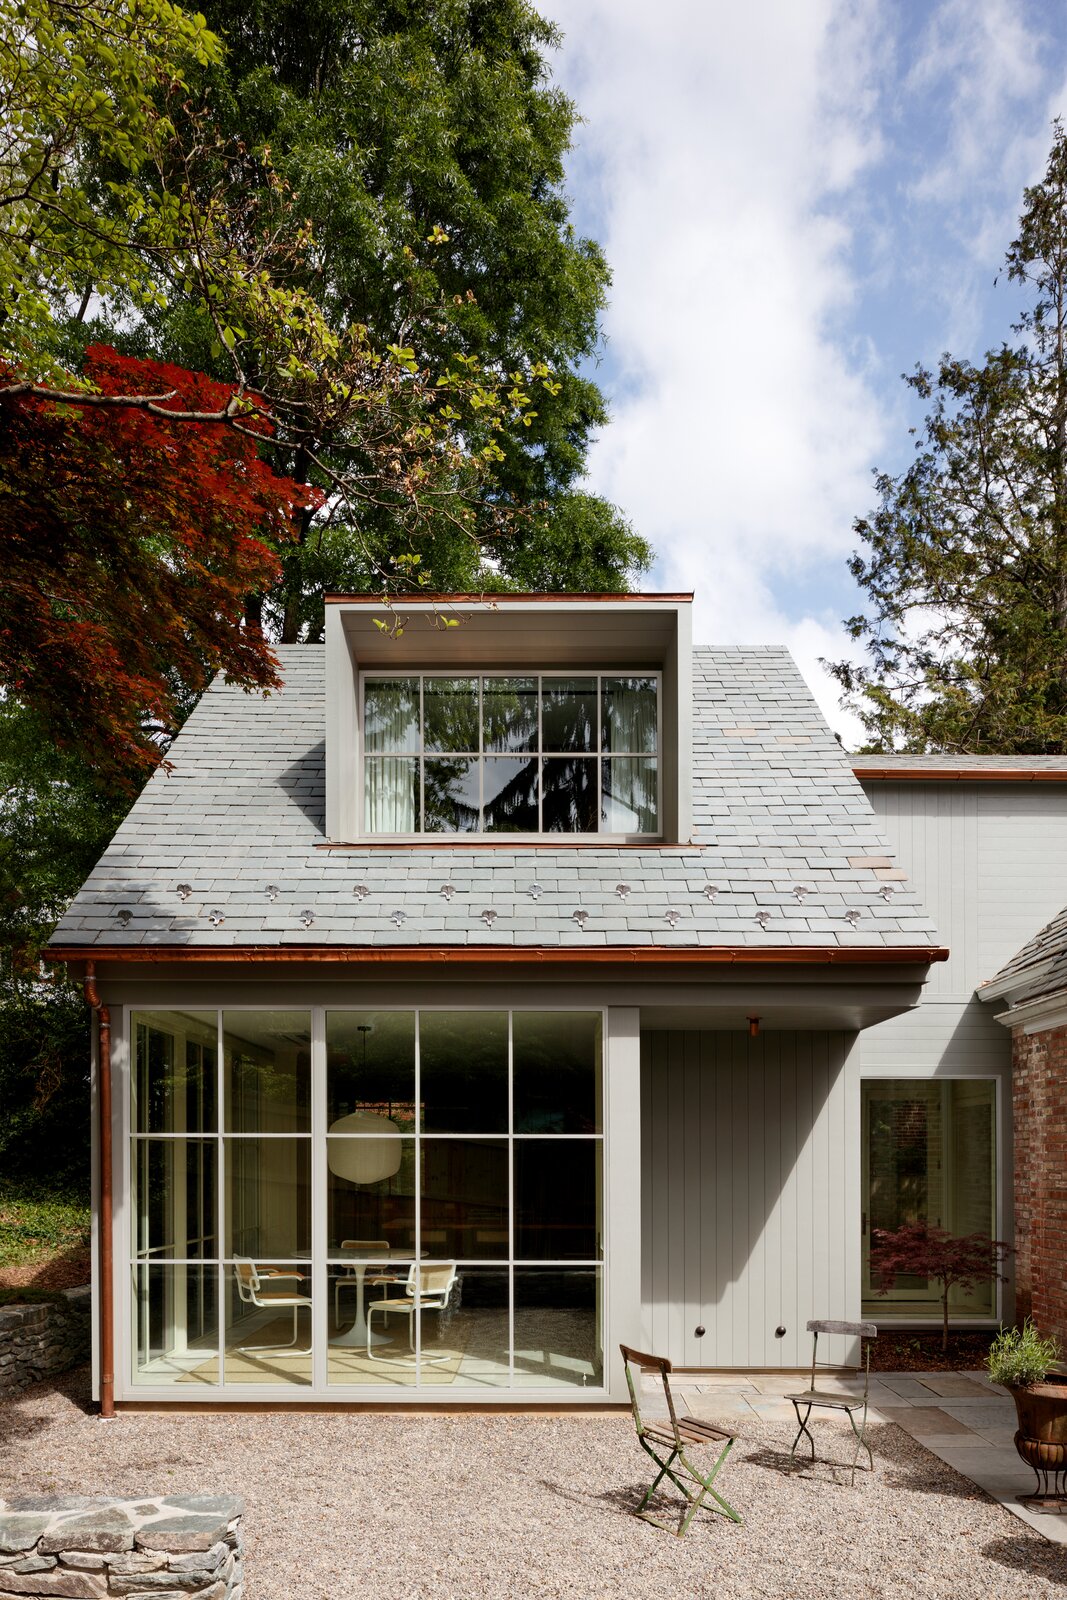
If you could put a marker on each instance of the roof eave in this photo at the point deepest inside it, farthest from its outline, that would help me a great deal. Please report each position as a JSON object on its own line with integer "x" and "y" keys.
{"x": 765, "y": 955}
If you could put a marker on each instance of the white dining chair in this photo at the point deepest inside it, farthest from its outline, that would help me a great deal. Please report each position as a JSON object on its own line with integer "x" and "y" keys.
{"x": 434, "y": 1284}
{"x": 250, "y": 1288}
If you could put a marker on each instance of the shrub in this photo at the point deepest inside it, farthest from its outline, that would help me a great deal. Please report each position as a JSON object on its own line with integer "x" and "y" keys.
{"x": 1020, "y": 1356}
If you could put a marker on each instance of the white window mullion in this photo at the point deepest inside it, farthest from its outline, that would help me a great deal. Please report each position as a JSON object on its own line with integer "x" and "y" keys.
{"x": 320, "y": 1283}
{"x": 418, "y": 1199}
{"x": 511, "y": 1195}
{"x": 220, "y": 1177}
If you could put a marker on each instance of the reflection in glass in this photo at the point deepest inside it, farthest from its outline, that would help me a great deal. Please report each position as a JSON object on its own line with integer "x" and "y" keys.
{"x": 628, "y": 721}
{"x": 268, "y": 1197}
{"x": 391, "y": 715}
{"x": 470, "y": 1337}
{"x": 176, "y": 1324}
{"x": 557, "y": 1199}
{"x": 174, "y": 1077}
{"x": 509, "y": 714}
{"x": 174, "y": 1193}
{"x": 628, "y": 802}
{"x": 377, "y": 1208}
{"x": 568, "y": 714}
{"x": 465, "y": 1197}
{"x": 451, "y": 795}
{"x": 558, "y": 1315}
{"x": 929, "y": 1156}
{"x": 370, "y": 1065}
{"x": 268, "y": 1322}
{"x": 391, "y": 794}
{"x": 510, "y": 795}
{"x": 450, "y": 714}
{"x": 267, "y": 1071}
{"x": 463, "y": 1059}
{"x": 570, "y": 803}
{"x": 557, "y": 1071}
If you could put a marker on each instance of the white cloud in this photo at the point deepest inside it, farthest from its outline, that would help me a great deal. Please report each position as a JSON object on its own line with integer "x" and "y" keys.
{"x": 729, "y": 157}
{"x": 743, "y": 432}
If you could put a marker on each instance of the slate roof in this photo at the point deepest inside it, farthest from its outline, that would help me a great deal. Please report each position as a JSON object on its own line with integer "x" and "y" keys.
{"x": 1040, "y": 967}
{"x": 787, "y": 843}
{"x": 935, "y": 763}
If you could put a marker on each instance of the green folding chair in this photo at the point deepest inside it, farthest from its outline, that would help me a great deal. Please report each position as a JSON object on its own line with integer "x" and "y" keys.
{"x": 669, "y": 1446}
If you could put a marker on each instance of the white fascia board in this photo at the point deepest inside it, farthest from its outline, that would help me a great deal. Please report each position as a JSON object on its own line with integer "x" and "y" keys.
{"x": 1036, "y": 1016}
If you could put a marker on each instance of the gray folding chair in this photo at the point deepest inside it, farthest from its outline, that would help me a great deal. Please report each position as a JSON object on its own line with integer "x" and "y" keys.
{"x": 672, "y": 1443}
{"x": 810, "y": 1398}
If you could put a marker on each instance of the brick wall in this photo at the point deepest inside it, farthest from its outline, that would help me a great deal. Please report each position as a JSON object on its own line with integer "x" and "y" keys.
{"x": 1039, "y": 1094}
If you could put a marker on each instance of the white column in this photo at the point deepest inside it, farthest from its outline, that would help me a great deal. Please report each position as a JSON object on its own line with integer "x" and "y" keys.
{"x": 622, "y": 1196}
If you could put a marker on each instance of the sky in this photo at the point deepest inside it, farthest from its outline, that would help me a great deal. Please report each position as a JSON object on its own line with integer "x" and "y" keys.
{"x": 799, "y": 200}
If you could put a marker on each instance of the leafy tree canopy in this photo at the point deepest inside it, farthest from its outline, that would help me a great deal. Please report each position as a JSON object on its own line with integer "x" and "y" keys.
{"x": 421, "y": 144}
{"x": 964, "y": 561}
{"x": 76, "y": 74}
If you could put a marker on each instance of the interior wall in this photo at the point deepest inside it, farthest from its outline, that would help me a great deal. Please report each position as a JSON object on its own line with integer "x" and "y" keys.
{"x": 750, "y": 1186}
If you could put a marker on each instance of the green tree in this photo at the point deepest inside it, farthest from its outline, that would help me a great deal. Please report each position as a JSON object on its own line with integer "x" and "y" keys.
{"x": 422, "y": 143}
{"x": 76, "y": 74}
{"x": 965, "y": 558}
{"x": 55, "y": 821}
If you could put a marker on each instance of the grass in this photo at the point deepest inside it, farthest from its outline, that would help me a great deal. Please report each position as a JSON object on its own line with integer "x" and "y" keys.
{"x": 37, "y": 1224}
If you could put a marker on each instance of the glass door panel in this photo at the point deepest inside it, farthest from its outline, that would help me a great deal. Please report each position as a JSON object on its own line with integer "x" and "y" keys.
{"x": 929, "y": 1156}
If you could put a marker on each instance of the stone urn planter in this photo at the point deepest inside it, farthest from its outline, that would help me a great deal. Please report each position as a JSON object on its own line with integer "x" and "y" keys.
{"x": 1041, "y": 1439}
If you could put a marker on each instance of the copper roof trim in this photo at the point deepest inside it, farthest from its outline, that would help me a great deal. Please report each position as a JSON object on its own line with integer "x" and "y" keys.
{"x": 490, "y": 597}
{"x": 766, "y": 955}
{"x": 963, "y": 774}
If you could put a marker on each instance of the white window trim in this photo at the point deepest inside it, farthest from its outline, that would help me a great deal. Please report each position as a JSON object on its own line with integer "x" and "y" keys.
{"x": 1002, "y": 1286}
{"x": 500, "y": 837}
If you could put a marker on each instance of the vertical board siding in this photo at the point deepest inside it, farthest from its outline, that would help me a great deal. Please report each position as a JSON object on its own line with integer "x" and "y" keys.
{"x": 750, "y": 1193}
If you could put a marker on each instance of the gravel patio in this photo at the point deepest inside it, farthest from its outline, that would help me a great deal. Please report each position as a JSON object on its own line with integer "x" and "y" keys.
{"x": 461, "y": 1507}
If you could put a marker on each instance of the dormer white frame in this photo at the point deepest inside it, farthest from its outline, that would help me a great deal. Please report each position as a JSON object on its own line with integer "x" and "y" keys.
{"x": 517, "y": 635}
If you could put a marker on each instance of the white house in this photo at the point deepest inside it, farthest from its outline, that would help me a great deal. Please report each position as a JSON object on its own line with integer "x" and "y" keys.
{"x": 550, "y": 978}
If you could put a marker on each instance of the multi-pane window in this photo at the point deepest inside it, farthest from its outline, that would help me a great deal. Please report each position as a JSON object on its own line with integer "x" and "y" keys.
{"x": 353, "y": 1199}
{"x": 494, "y": 753}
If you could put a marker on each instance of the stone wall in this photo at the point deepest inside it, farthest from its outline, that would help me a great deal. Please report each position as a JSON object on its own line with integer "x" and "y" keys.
{"x": 1039, "y": 1096}
{"x": 37, "y": 1341}
{"x": 164, "y": 1547}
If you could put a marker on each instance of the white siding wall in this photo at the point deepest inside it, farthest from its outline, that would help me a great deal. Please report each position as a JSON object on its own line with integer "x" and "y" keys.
{"x": 750, "y": 1219}
{"x": 990, "y": 862}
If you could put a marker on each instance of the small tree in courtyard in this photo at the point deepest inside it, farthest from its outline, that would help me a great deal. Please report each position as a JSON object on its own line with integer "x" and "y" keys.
{"x": 920, "y": 1251}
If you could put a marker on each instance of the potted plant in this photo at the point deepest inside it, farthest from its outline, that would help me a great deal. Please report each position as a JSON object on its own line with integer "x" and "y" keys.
{"x": 1020, "y": 1359}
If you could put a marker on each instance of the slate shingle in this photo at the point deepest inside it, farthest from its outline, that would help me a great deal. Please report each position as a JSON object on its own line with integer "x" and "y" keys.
{"x": 776, "y": 804}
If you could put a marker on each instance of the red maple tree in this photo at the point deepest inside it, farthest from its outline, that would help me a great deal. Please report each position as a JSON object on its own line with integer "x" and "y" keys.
{"x": 129, "y": 546}
{"x": 919, "y": 1250}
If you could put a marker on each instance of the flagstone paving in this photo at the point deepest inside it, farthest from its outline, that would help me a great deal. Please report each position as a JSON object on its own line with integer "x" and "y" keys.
{"x": 962, "y": 1418}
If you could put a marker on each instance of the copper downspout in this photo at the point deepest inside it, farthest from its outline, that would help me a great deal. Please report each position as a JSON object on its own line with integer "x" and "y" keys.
{"x": 107, "y": 1271}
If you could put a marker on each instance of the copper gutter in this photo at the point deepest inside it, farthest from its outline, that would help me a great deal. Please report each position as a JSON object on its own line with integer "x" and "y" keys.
{"x": 420, "y": 598}
{"x": 107, "y": 1271}
{"x": 556, "y": 955}
{"x": 963, "y": 774}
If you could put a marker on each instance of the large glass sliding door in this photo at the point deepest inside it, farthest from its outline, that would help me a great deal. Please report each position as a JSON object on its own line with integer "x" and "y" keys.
{"x": 929, "y": 1156}
{"x": 442, "y": 1226}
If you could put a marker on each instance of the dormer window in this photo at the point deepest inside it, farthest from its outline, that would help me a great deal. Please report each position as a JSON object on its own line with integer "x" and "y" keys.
{"x": 505, "y": 753}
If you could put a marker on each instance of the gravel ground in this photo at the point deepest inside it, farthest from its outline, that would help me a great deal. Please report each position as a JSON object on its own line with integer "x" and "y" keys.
{"x": 465, "y": 1507}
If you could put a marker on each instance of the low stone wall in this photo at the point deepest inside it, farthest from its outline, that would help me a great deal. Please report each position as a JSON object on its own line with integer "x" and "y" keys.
{"x": 37, "y": 1341}
{"x": 165, "y": 1547}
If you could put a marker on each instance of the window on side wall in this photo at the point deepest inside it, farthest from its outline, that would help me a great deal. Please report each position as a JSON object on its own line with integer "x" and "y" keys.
{"x": 526, "y": 755}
